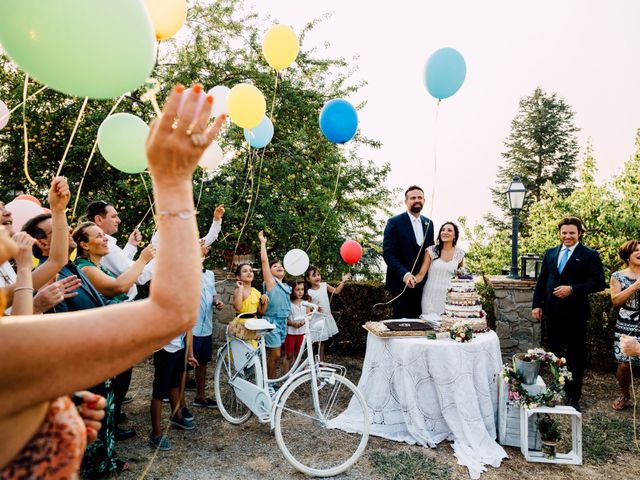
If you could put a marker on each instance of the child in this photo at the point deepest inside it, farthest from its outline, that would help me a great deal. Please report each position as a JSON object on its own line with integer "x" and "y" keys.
{"x": 295, "y": 335}
{"x": 247, "y": 299}
{"x": 318, "y": 291}
{"x": 168, "y": 378}
{"x": 203, "y": 332}
{"x": 279, "y": 306}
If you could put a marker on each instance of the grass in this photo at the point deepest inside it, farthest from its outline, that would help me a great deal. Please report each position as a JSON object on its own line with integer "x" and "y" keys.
{"x": 605, "y": 437}
{"x": 407, "y": 466}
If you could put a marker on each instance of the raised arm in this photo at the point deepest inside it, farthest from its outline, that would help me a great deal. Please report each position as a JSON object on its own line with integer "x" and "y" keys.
{"x": 216, "y": 226}
{"x": 336, "y": 290}
{"x": 267, "y": 276}
{"x": 80, "y": 349}
{"x": 112, "y": 287}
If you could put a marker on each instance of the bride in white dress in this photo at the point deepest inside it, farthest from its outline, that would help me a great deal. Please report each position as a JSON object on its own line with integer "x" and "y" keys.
{"x": 440, "y": 262}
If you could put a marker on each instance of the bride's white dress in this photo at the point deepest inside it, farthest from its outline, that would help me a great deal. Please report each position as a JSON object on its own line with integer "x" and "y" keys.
{"x": 439, "y": 277}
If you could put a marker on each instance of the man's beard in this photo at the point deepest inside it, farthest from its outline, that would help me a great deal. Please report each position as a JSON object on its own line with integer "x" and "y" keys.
{"x": 416, "y": 208}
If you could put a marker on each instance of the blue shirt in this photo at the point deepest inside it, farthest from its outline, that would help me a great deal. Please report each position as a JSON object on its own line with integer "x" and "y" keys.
{"x": 279, "y": 301}
{"x": 204, "y": 326}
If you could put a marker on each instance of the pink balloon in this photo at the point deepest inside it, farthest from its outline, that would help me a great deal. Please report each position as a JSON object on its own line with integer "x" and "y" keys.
{"x": 31, "y": 198}
{"x": 21, "y": 211}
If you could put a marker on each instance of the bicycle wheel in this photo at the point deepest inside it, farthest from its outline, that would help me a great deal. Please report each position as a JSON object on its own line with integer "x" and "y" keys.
{"x": 230, "y": 406}
{"x": 310, "y": 444}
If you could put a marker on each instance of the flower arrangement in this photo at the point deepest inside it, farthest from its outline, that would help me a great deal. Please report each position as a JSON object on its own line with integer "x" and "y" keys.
{"x": 461, "y": 332}
{"x": 555, "y": 390}
{"x": 549, "y": 434}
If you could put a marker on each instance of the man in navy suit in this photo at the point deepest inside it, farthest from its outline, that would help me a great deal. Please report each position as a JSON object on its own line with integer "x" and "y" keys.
{"x": 570, "y": 271}
{"x": 406, "y": 238}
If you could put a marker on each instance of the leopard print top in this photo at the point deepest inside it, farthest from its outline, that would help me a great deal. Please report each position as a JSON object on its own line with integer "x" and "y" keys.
{"x": 55, "y": 450}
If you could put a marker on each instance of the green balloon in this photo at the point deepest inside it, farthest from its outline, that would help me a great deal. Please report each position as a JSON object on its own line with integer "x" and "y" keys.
{"x": 121, "y": 139}
{"x": 87, "y": 48}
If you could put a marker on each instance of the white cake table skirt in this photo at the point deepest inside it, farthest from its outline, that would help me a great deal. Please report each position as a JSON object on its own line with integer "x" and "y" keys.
{"x": 423, "y": 391}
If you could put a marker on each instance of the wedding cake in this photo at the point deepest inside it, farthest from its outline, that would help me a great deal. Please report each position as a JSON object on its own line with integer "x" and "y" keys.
{"x": 463, "y": 304}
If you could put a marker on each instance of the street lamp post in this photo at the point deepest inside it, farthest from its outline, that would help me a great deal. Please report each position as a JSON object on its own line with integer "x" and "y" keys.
{"x": 515, "y": 196}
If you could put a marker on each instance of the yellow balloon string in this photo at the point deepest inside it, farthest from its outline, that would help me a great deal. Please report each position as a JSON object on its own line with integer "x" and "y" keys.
{"x": 246, "y": 217}
{"x": 151, "y": 203}
{"x": 93, "y": 151}
{"x": 333, "y": 197}
{"x": 433, "y": 191}
{"x": 33, "y": 95}
{"x": 201, "y": 185}
{"x": 24, "y": 128}
{"x": 73, "y": 134}
{"x": 273, "y": 103}
{"x": 244, "y": 186}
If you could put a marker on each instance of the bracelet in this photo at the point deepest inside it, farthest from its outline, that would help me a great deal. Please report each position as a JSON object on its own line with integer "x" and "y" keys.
{"x": 181, "y": 214}
{"x": 17, "y": 289}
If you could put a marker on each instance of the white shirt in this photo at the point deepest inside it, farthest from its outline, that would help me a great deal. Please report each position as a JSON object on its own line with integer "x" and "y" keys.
{"x": 7, "y": 277}
{"x": 571, "y": 249}
{"x": 208, "y": 239}
{"x": 416, "y": 223}
{"x": 119, "y": 260}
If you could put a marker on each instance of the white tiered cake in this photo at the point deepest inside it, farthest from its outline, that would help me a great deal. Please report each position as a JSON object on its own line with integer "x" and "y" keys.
{"x": 463, "y": 305}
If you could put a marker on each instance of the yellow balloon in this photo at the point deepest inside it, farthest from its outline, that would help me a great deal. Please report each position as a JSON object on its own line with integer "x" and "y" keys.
{"x": 246, "y": 105}
{"x": 167, "y": 16}
{"x": 280, "y": 46}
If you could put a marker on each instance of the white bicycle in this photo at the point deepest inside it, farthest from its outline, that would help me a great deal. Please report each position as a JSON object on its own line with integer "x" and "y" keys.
{"x": 301, "y": 411}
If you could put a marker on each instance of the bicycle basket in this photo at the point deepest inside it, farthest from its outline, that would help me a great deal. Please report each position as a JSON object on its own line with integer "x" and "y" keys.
{"x": 318, "y": 328}
{"x": 238, "y": 330}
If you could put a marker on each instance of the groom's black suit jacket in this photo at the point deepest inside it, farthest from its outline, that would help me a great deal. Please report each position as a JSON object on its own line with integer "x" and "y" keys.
{"x": 399, "y": 250}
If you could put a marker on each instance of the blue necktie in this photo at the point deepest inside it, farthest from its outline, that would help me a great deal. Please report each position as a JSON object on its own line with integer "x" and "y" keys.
{"x": 564, "y": 260}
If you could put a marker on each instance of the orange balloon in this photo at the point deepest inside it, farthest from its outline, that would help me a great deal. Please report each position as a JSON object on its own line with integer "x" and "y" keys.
{"x": 31, "y": 198}
{"x": 167, "y": 16}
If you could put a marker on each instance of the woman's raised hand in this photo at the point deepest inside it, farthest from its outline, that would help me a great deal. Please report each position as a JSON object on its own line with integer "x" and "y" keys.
{"x": 24, "y": 256}
{"x": 179, "y": 136}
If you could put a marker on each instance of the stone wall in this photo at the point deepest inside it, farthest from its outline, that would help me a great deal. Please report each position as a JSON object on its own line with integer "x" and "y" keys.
{"x": 225, "y": 284}
{"x": 515, "y": 326}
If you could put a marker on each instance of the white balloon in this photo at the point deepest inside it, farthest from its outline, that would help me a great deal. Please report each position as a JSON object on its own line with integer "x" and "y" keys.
{"x": 296, "y": 262}
{"x": 220, "y": 95}
{"x": 4, "y": 115}
{"x": 211, "y": 157}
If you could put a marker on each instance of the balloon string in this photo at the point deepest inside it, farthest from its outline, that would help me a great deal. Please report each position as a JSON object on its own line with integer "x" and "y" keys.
{"x": 93, "y": 151}
{"x": 201, "y": 185}
{"x": 433, "y": 190}
{"x": 246, "y": 217}
{"x": 151, "y": 203}
{"x": 73, "y": 134}
{"x": 3, "y": 117}
{"x": 244, "y": 186}
{"x": 145, "y": 215}
{"x": 331, "y": 208}
{"x": 24, "y": 128}
{"x": 252, "y": 207}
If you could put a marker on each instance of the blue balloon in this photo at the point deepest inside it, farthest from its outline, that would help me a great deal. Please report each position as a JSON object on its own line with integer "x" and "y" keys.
{"x": 338, "y": 120}
{"x": 445, "y": 72}
{"x": 260, "y": 136}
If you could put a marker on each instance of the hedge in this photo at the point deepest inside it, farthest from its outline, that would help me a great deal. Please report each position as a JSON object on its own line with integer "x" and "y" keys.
{"x": 354, "y": 307}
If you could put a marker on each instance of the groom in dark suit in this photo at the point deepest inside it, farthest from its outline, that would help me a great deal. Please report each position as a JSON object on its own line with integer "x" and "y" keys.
{"x": 406, "y": 238}
{"x": 570, "y": 271}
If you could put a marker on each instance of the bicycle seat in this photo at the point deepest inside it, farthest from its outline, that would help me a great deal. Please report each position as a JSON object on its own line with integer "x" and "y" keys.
{"x": 258, "y": 325}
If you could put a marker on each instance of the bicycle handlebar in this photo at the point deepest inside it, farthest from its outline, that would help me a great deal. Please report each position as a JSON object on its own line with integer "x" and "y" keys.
{"x": 313, "y": 306}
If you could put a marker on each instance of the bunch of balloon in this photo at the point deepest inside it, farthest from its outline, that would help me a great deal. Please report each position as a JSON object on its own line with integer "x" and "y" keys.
{"x": 121, "y": 139}
{"x": 167, "y": 16}
{"x": 445, "y": 73}
{"x": 82, "y": 48}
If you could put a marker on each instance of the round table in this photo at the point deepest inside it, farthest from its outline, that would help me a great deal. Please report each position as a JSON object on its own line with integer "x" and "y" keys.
{"x": 425, "y": 391}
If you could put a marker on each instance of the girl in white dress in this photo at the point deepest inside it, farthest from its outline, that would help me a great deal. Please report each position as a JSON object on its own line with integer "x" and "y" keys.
{"x": 440, "y": 262}
{"x": 319, "y": 292}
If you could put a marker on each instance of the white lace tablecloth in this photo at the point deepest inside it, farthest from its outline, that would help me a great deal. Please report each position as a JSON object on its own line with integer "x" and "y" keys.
{"x": 425, "y": 391}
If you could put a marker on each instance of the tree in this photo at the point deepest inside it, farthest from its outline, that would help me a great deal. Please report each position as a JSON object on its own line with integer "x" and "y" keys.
{"x": 302, "y": 190}
{"x": 542, "y": 147}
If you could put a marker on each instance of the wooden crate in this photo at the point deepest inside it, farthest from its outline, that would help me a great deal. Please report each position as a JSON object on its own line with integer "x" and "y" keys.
{"x": 509, "y": 417}
{"x": 574, "y": 457}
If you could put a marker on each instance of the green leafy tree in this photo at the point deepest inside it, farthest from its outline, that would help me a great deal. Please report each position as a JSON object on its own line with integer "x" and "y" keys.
{"x": 304, "y": 191}
{"x": 542, "y": 147}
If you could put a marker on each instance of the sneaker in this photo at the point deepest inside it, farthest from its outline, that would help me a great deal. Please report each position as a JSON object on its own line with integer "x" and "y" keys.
{"x": 165, "y": 400}
{"x": 186, "y": 414}
{"x": 191, "y": 384}
{"x": 127, "y": 399}
{"x": 161, "y": 442}
{"x": 182, "y": 423}
{"x": 206, "y": 403}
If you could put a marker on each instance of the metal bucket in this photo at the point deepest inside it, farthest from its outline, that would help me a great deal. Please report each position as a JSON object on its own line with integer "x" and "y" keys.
{"x": 527, "y": 369}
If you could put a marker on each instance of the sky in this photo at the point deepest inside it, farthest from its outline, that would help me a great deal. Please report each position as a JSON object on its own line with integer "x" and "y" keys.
{"x": 586, "y": 51}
